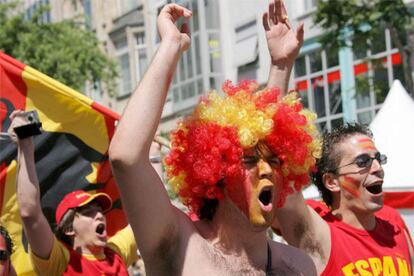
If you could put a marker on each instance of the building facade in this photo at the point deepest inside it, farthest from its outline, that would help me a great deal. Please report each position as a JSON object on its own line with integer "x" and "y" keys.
{"x": 348, "y": 85}
{"x": 228, "y": 43}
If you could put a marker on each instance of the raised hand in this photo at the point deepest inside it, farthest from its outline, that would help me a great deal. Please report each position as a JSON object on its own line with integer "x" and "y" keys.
{"x": 167, "y": 28}
{"x": 282, "y": 41}
{"x": 16, "y": 120}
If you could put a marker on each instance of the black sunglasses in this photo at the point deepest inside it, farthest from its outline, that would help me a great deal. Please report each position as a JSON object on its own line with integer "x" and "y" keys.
{"x": 4, "y": 255}
{"x": 365, "y": 161}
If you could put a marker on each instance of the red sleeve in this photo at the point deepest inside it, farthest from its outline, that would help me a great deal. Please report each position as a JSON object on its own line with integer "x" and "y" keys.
{"x": 319, "y": 206}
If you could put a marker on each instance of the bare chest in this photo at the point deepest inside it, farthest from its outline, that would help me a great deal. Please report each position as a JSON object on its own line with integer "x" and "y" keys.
{"x": 205, "y": 259}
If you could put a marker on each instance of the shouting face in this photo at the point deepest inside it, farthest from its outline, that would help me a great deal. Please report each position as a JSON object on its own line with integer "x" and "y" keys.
{"x": 89, "y": 226}
{"x": 360, "y": 173}
{"x": 256, "y": 196}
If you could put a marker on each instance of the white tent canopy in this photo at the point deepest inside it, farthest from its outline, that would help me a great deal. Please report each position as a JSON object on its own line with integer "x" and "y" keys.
{"x": 393, "y": 129}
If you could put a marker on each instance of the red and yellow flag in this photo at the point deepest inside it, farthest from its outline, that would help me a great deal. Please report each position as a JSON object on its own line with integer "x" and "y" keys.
{"x": 70, "y": 154}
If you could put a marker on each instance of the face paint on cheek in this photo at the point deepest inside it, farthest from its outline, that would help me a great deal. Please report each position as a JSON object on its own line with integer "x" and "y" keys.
{"x": 255, "y": 211}
{"x": 366, "y": 143}
{"x": 351, "y": 185}
{"x": 240, "y": 193}
{"x": 279, "y": 198}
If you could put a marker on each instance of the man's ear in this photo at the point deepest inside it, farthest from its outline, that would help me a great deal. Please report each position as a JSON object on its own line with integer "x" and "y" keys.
{"x": 331, "y": 182}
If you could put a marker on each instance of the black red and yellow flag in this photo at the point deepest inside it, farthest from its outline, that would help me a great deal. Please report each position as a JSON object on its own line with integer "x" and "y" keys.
{"x": 70, "y": 154}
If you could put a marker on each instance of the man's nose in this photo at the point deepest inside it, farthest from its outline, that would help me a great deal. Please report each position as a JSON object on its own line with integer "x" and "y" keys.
{"x": 376, "y": 168}
{"x": 99, "y": 214}
{"x": 264, "y": 169}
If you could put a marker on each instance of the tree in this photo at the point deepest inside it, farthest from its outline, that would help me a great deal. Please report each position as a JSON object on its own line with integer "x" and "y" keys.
{"x": 364, "y": 19}
{"x": 65, "y": 51}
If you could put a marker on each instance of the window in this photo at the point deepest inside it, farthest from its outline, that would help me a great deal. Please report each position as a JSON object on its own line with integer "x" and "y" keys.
{"x": 199, "y": 68}
{"x": 128, "y": 5}
{"x": 212, "y": 14}
{"x": 375, "y": 69}
{"x": 215, "y": 53}
{"x": 248, "y": 71}
{"x": 318, "y": 82}
{"x": 315, "y": 60}
{"x": 310, "y": 5}
{"x": 122, "y": 54}
{"x": 300, "y": 67}
{"x": 125, "y": 81}
{"x": 318, "y": 94}
{"x": 46, "y": 16}
{"x": 87, "y": 6}
{"x": 141, "y": 55}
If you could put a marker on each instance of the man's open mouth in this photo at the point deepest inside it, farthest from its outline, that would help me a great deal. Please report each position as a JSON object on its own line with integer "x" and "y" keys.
{"x": 265, "y": 196}
{"x": 100, "y": 229}
{"x": 375, "y": 188}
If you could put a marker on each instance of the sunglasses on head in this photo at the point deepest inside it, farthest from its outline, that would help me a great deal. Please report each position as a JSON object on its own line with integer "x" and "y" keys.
{"x": 365, "y": 160}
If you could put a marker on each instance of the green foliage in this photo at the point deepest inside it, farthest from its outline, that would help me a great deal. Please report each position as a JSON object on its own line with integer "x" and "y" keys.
{"x": 66, "y": 51}
{"x": 364, "y": 19}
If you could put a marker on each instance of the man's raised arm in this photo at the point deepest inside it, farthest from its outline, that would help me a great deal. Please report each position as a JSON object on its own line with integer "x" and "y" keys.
{"x": 283, "y": 43}
{"x": 150, "y": 212}
{"x": 35, "y": 224}
{"x": 300, "y": 225}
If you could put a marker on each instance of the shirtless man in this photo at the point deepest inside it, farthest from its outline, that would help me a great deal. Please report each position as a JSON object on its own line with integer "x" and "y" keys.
{"x": 228, "y": 174}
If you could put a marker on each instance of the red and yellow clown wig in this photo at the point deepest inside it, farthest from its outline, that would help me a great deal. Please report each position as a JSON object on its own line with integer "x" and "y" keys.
{"x": 207, "y": 147}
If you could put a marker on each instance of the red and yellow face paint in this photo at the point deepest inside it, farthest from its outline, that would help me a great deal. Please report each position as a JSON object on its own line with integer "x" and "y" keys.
{"x": 350, "y": 184}
{"x": 207, "y": 147}
{"x": 366, "y": 143}
{"x": 263, "y": 178}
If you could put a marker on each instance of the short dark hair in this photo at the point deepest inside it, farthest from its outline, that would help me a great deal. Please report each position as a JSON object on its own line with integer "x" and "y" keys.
{"x": 9, "y": 243}
{"x": 331, "y": 156}
{"x": 66, "y": 224}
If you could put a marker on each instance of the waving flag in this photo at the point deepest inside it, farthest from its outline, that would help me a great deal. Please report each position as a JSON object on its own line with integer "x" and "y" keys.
{"x": 70, "y": 154}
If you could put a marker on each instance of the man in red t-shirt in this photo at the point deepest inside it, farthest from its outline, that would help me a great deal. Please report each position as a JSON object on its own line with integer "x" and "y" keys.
{"x": 80, "y": 246}
{"x": 353, "y": 236}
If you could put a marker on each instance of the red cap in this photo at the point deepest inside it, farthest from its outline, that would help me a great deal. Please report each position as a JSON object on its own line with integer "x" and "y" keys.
{"x": 81, "y": 198}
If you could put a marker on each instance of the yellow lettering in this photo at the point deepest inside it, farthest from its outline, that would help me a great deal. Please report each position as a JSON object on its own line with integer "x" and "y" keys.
{"x": 348, "y": 270}
{"x": 402, "y": 267}
{"x": 361, "y": 266}
{"x": 376, "y": 266}
{"x": 388, "y": 265}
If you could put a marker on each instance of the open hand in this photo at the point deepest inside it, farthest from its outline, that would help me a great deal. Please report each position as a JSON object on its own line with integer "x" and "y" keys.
{"x": 282, "y": 41}
{"x": 167, "y": 28}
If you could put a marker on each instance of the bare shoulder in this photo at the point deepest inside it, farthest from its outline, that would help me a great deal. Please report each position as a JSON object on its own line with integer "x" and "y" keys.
{"x": 291, "y": 259}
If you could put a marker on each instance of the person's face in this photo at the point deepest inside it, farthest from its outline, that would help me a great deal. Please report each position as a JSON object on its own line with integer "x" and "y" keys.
{"x": 89, "y": 226}
{"x": 257, "y": 193}
{"x": 361, "y": 181}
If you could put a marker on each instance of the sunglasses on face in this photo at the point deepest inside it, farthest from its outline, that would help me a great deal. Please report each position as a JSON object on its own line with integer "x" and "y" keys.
{"x": 365, "y": 160}
{"x": 4, "y": 255}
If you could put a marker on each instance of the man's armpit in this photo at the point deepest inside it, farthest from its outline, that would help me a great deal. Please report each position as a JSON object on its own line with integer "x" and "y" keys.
{"x": 306, "y": 238}
{"x": 167, "y": 255}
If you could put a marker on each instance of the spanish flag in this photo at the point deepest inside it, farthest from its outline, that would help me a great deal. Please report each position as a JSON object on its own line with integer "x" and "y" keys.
{"x": 71, "y": 153}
